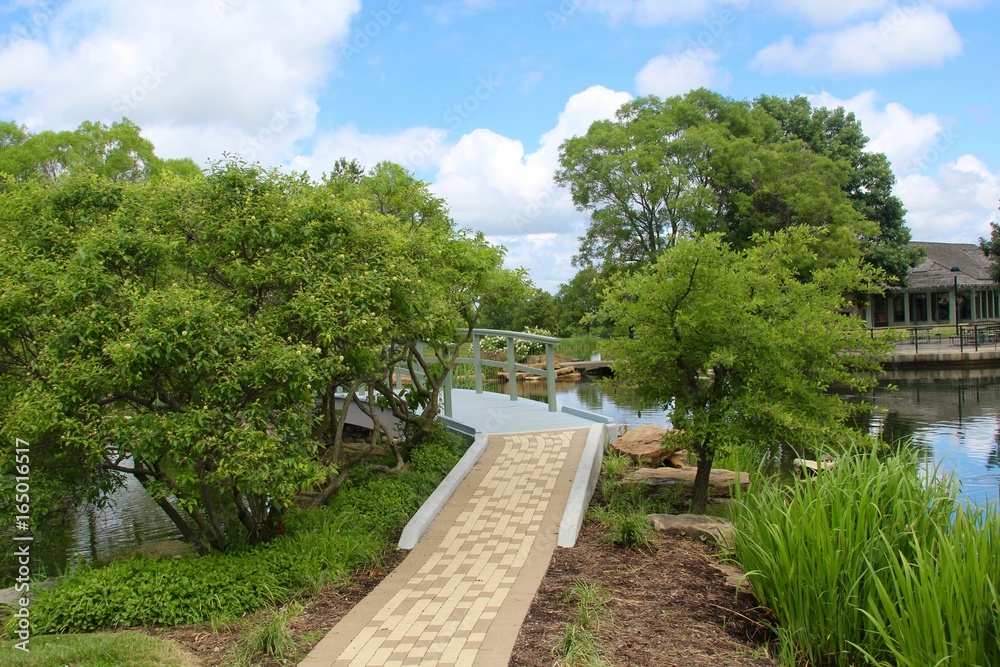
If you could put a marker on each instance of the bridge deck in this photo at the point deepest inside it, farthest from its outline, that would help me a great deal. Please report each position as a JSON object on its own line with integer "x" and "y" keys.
{"x": 495, "y": 413}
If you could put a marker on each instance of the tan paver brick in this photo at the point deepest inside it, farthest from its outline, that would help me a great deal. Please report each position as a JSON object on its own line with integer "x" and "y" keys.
{"x": 469, "y": 582}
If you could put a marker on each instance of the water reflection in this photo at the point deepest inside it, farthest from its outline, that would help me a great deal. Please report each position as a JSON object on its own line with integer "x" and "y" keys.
{"x": 131, "y": 518}
{"x": 953, "y": 418}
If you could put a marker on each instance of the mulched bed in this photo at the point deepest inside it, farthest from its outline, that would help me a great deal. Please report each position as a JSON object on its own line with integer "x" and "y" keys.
{"x": 669, "y": 606}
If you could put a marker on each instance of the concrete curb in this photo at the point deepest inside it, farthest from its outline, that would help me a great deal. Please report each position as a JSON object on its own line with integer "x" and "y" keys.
{"x": 584, "y": 483}
{"x": 425, "y": 516}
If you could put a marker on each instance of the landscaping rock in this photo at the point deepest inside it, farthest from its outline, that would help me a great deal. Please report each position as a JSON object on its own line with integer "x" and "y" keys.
{"x": 720, "y": 482}
{"x": 645, "y": 444}
{"x": 678, "y": 459}
{"x": 698, "y": 526}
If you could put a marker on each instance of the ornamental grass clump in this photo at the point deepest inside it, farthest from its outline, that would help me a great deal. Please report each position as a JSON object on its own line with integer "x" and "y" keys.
{"x": 871, "y": 564}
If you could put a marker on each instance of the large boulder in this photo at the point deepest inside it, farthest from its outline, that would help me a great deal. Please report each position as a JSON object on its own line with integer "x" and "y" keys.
{"x": 699, "y": 526}
{"x": 720, "y": 482}
{"x": 648, "y": 444}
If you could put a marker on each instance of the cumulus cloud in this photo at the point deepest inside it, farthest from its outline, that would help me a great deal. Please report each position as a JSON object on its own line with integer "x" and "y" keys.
{"x": 416, "y": 148}
{"x": 185, "y": 71}
{"x": 911, "y": 141}
{"x": 658, "y": 12}
{"x": 955, "y": 205}
{"x": 676, "y": 74}
{"x": 495, "y": 186}
{"x": 901, "y": 39}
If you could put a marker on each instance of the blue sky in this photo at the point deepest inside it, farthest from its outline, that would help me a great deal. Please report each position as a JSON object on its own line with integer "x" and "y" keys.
{"x": 475, "y": 96}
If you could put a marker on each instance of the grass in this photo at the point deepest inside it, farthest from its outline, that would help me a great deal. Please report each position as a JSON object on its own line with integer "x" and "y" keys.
{"x": 322, "y": 545}
{"x": 271, "y": 639}
{"x": 581, "y": 347}
{"x": 106, "y": 649}
{"x": 579, "y": 647}
{"x": 870, "y": 564}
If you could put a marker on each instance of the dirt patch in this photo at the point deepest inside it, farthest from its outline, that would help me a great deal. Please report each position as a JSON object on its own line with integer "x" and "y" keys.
{"x": 669, "y": 606}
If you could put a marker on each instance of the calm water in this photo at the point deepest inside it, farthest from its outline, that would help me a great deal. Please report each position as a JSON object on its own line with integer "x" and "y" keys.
{"x": 953, "y": 418}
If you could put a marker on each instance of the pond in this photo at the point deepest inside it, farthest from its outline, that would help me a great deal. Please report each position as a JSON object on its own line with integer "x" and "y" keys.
{"x": 953, "y": 418}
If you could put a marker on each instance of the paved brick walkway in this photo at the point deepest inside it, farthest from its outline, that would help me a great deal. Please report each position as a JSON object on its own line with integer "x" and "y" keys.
{"x": 460, "y": 596}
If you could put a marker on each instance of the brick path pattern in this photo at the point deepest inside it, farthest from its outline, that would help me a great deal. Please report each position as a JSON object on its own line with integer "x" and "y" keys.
{"x": 460, "y": 596}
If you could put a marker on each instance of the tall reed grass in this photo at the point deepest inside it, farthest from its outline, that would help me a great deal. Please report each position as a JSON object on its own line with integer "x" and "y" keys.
{"x": 870, "y": 564}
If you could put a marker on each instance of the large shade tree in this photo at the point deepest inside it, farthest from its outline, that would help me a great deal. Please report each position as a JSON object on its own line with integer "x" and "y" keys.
{"x": 193, "y": 332}
{"x": 739, "y": 348}
{"x": 664, "y": 170}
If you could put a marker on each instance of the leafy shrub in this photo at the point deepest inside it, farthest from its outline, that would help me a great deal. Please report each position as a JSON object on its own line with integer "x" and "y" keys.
{"x": 436, "y": 458}
{"x": 522, "y": 348}
{"x": 321, "y": 545}
{"x": 870, "y": 564}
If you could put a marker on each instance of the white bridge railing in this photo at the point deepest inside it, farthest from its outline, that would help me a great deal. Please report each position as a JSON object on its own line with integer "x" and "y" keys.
{"x": 509, "y": 364}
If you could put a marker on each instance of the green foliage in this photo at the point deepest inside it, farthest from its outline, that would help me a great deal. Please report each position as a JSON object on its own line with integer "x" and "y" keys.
{"x": 321, "y": 545}
{"x": 872, "y": 564}
{"x": 741, "y": 347}
{"x": 522, "y": 348}
{"x": 114, "y": 649}
{"x": 579, "y": 645}
{"x": 632, "y": 531}
{"x": 991, "y": 248}
{"x": 193, "y": 332}
{"x": 270, "y": 639}
{"x": 665, "y": 170}
{"x": 434, "y": 457}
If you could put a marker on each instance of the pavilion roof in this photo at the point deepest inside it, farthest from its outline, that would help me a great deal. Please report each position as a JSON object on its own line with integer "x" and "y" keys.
{"x": 935, "y": 271}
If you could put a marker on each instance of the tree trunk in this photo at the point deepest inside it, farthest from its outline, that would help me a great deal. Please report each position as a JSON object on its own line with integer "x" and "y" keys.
{"x": 699, "y": 500}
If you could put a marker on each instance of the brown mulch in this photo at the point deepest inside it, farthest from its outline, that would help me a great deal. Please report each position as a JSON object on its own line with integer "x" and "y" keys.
{"x": 669, "y": 606}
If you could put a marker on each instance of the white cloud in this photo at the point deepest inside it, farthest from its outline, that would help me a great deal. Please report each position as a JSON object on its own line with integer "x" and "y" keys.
{"x": 956, "y": 205}
{"x": 910, "y": 141}
{"x": 899, "y": 40}
{"x": 547, "y": 257}
{"x": 186, "y": 71}
{"x": 842, "y": 11}
{"x": 669, "y": 75}
{"x": 416, "y": 148}
{"x": 660, "y": 12}
{"x": 494, "y": 186}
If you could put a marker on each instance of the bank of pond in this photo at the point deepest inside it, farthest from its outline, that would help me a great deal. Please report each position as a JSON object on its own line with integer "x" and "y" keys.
{"x": 889, "y": 560}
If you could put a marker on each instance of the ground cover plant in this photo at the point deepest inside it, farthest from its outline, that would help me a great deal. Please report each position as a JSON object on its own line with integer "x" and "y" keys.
{"x": 321, "y": 545}
{"x": 874, "y": 564}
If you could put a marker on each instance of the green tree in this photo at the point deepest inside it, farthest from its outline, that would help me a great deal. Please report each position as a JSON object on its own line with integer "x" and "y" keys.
{"x": 579, "y": 301}
{"x": 193, "y": 333}
{"x": 740, "y": 349}
{"x": 118, "y": 152}
{"x": 991, "y": 248}
{"x": 669, "y": 169}
{"x": 838, "y": 135}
